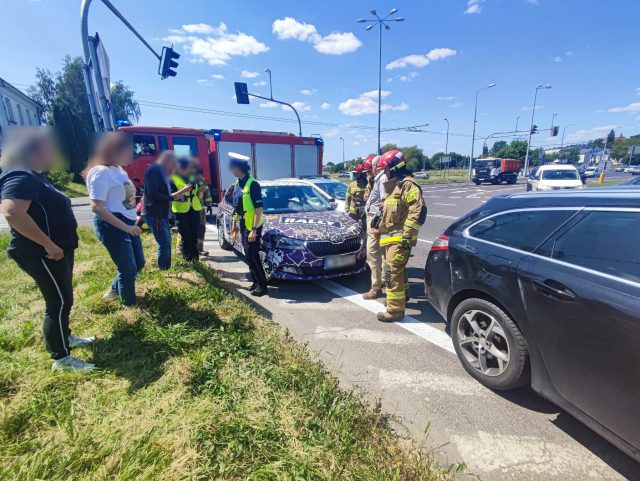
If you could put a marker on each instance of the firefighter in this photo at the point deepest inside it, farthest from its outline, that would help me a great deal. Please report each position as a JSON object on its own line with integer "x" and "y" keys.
{"x": 375, "y": 195}
{"x": 200, "y": 185}
{"x": 403, "y": 214}
{"x": 354, "y": 203}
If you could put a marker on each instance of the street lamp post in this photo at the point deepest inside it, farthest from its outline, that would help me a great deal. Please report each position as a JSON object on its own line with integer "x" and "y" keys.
{"x": 563, "y": 132}
{"x": 475, "y": 121}
{"x": 553, "y": 120}
{"x": 517, "y": 122}
{"x": 382, "y": 22}
{"x": 342, "y": 150}
{"x": 270, "y": 83}
{"x": 533, "y": 114}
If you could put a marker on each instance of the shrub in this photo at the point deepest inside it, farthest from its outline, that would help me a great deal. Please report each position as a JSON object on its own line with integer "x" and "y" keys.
{"x": 60, "y": 179}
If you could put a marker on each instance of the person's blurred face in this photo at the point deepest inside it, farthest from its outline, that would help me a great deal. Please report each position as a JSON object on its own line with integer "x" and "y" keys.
{"x": 236, "y": 171}
{"x": 44, "y": 157}
{"x": 124, "y": 152}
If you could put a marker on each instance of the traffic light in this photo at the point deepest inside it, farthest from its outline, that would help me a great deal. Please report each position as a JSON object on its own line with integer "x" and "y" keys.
{"x": 242, "y": 93}
{"x": 534, "y": 129}
{"x": 554, "y": 131}
{"x": 168, "y": 62}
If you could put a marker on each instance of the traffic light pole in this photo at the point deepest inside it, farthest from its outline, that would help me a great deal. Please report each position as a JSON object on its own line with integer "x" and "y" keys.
{"x": 90, "y": 58}
{"x": 533, "y": 115}
{"x": 281, "y": 103}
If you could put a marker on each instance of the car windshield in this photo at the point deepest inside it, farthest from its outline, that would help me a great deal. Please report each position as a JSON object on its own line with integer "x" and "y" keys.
{"x": 560, "y": 175}
{"x": 337, "y": 190}
{"x": 481, "y": 163}
{"x": 282, "y": 199}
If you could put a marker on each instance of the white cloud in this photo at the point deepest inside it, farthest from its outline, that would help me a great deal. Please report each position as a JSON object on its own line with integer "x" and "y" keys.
{"x": 215, "y": 44}
{"x": 335, "y": 43}
{"x": 261, "y": 83}
{"x": 408, "y": 78}
{"x": 589, "y": 134}
{"x": 249, "y": 74}
{"x": 448, "y": 99}
{"x": 299, "y": 106}
{"x": 557, "y": 59}
{"x": 332, "y": 132}
{"x": 325, "y": 106}
{"x": 269, "y": 105}
{"x": 638, "y": 91}
{"x": 633, "y": 107}
{"x": 202, "y": 80}
{"x": 473, "y": 6}
{"x": 367, "y": 103}
{"x": 309, "y": 91}
{"x": 420, "y": 61}
{"x": 217, "y": 76}
{"x": 456, "y": 105}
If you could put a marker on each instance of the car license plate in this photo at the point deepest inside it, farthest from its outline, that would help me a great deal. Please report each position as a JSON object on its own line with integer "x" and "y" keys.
{"x": 339, "y": 262}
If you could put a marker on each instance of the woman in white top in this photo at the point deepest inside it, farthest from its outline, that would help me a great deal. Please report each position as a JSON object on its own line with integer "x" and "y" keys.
{"x": 112, "y": 198}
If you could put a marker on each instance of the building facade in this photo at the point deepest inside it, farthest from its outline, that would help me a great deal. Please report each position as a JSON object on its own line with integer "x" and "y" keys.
{"x": 16, "y": 109}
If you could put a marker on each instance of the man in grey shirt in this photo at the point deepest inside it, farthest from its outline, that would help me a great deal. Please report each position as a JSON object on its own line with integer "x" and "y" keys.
{"x": 373, "y": 208}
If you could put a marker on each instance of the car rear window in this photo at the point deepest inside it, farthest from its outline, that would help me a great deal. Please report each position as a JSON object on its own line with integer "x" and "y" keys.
{"x": 560, "y": 175}
{"x": 605, "y": 241}
{"x": 524, "y": 230}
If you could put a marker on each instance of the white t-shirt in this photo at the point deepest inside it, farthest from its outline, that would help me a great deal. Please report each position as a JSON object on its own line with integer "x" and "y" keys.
{"x": 112, "y": 186}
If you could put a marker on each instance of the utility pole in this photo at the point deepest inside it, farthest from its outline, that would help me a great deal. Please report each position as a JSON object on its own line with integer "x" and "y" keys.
{"x": 270, "y": 83}
{"x": 533, "y": 114}
{"x": 517, "y": 121}
{"x": 342, "y": 150}
{"x": 475, "y": 121}
{"x": 382, "y": 22}
{"x": 563, "y": 132}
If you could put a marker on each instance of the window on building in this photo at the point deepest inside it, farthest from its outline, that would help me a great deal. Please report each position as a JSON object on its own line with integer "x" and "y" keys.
{"x": 523, "y": 230}
{"x": 606, "y": 242}
{"x": 29, "y": 121}
{"x": 185, "y": 146}
{"x": 144, "y": 145}
{"x": 20, "y": 115}
{"x": 10, "y": 115}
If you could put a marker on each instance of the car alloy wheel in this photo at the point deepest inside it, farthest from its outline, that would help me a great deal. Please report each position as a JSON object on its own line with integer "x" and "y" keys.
{"x": 268, "y": 271}
{"x": 483, "y": 342}
{"x": 490, "y": 345}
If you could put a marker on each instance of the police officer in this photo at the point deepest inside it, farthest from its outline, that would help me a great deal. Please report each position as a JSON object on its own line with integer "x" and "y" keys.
{"x": 403, "y": 214}
{"x": 248, "y": 219}
{"x": 200, "y": 184}
{"x": 186, "y": 209}
{"x": 354, "y": 203}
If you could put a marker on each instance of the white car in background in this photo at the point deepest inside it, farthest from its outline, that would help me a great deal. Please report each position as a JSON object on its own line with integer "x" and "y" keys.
{"x": 336, "y": 191}
{"x": 555, "y": 177}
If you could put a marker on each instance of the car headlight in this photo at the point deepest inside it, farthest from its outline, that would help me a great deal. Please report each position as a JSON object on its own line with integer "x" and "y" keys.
{"x": 282, "y": 242}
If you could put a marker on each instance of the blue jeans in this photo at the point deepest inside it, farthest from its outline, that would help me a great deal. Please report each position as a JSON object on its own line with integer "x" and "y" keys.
{"x": 162, "y": 232}
{"x": 126, "y": 253}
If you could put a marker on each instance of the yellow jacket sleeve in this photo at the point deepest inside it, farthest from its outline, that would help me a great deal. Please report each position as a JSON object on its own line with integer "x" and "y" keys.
{"x": 412, "y": 197}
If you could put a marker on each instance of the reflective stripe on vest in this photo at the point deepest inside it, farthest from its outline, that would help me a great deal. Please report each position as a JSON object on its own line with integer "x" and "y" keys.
{"x": 191, "y": 201}
{"x": 247, "y": 205}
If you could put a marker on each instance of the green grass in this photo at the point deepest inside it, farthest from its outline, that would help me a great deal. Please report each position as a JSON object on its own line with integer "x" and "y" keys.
{"x": 193, "y": 384}
{"x": 75, "y": 189}
{"x": 606, "y": 183}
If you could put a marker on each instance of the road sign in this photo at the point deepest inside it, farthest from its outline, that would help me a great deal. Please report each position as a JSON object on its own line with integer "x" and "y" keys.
{"x": 445, "y": 159}
{"x": 242, "y": 93}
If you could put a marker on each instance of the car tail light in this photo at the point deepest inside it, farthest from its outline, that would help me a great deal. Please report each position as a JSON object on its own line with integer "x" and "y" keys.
{"x": 440, "y": 244}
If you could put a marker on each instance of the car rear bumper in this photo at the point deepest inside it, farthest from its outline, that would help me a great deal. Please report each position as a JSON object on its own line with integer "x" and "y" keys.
{"x": 437, "y": 282}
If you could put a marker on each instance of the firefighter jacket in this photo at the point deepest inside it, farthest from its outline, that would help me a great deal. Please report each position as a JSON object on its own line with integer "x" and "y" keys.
{"x": 354, "y": 203}
{"x": 403, "y": 213}
{"x": 199, "y": 182}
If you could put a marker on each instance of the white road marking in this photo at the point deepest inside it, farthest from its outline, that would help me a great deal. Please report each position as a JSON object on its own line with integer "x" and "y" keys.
{"x": 440, "y": 216}
{"x": 425, "y": 240}
{"x": 439, "y": 203}
{"x": 363, "y": 335}
{"x": 455, "y": 197}
{"x": 411, "y": 324}
{"x": 424, "y": 382}
{"x": 529, "y": 455}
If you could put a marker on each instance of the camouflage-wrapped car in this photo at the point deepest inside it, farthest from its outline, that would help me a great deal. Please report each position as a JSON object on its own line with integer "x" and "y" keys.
{"x": 303, "y": 238}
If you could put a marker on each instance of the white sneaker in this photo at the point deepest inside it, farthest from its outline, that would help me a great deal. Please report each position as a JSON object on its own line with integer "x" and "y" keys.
{"x": 77, "y": 341}
{"x": 110, "y": 295}
{"x": 71, "y": 364}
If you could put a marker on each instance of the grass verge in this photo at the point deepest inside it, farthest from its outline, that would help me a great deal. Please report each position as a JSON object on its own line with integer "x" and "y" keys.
{"x": 192, "y": 384}
{"x": 75, "y": 189}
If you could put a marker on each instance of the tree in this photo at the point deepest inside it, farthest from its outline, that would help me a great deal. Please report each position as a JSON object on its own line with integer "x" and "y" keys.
{"x": 485, "y": 150}
{"x": 611, "y": 138}
{"x": 414, "y": 155}
{"x": 44, "y": 92}
{"x": 65, "y": 105}
{"x": 125, "y": 106}
{"x": 516, "y": 150}
{"x": 497, "y": 146}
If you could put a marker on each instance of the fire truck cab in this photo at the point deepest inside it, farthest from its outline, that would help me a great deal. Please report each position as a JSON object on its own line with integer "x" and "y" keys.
{"x": 273, "y": 154}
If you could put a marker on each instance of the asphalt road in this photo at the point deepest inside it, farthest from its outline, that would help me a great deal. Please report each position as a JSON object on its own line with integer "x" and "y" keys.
{"x": 411, "y": 368}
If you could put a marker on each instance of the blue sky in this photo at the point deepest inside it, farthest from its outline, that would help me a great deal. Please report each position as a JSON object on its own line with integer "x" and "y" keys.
{"x": 327, "y": 63}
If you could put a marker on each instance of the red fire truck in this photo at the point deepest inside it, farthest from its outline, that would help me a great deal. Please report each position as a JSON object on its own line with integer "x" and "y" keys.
{"x": 273, "y": 154}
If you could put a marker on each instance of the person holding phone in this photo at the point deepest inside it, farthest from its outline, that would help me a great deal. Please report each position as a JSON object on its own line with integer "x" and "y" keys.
{"x": 43, "y": 237}
{"x": 112, "y": 197}
{"x": 187, "y": 209}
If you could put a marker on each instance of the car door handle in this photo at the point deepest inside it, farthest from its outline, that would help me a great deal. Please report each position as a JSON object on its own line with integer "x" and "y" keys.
{"x": 468, "y": 248}
{"x": 555, "y": 289}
